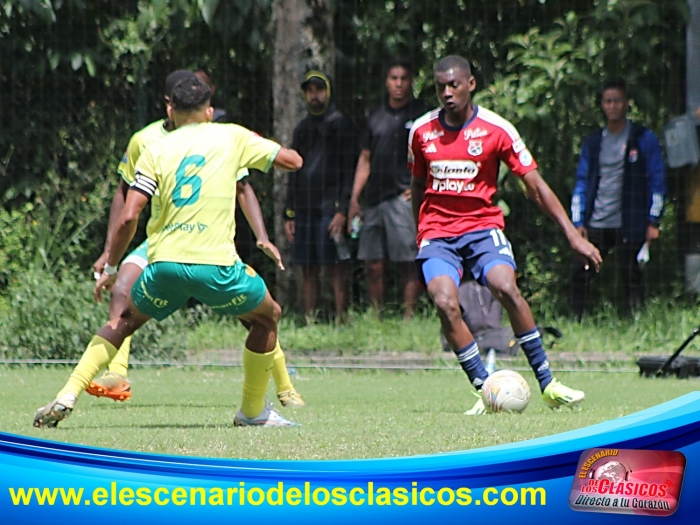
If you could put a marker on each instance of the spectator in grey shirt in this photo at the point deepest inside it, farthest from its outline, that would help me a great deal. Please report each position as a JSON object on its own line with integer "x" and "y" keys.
{"x": 618, "y": 198}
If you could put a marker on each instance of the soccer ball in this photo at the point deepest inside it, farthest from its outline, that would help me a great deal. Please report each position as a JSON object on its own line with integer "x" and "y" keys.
{"x": 505, "y": 390}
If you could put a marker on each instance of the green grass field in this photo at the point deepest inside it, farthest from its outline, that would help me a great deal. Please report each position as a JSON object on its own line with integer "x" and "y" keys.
{"x": 350, "y": 415}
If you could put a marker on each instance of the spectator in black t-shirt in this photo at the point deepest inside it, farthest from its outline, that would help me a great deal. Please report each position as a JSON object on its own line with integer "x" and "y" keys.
{"x": 388, "y": 231}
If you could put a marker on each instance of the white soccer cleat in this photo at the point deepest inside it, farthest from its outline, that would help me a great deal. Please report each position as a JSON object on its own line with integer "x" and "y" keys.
{"x": 59, "y": 409}
{"x": 269, "y": 417}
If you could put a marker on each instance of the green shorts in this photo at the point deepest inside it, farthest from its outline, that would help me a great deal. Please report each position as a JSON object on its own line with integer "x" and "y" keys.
{"x": 164, "y": 287}
{"x": 138, "y": 256}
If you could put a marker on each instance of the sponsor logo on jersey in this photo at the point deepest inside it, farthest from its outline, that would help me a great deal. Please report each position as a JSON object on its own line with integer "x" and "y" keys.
{"x": 525, "y": 158}
{"x": 456, "y": 186}
{"x": 475, "y": 148}
{"x": 474, "y": 133}
{"x": 431, "y": 148}
{"x": 432, "y": 134}
{"x": 518, "y": 146}
{"x": 454, "y": 169}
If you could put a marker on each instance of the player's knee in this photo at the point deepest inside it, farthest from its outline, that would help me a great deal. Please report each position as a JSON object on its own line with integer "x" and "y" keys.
{"x": 276, "y": 313}
{"x": 447, "y": 305}
{"x": 507, "y": 292}
{"x": 120, "y": 292}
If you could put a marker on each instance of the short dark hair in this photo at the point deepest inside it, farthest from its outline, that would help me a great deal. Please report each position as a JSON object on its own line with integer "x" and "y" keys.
{"x": 175, "y": 77}
{"x": 399, "y": 62}
{"x": 453, "y": 62}
{"x": 189, "y": 94}
{"x": 616, "y": 83}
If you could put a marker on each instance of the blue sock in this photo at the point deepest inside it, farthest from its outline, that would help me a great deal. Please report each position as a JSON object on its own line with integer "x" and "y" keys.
{"x": 531, "y": 343}
{"x": 470, "y": 361}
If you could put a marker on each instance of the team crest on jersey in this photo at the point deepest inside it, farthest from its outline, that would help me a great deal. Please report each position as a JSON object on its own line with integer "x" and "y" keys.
{"x": 476, "y": 147}
{"x": 633, "y": 156}
{"x": 474, "y": 133}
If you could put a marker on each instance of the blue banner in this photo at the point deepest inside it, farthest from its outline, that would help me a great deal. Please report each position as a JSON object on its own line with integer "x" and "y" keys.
{"x": 47, "y": 482}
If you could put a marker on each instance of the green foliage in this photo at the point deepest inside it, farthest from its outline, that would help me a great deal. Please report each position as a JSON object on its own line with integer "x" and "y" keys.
{"x": 46, "y": 318}
{"x": 78, "y": 78}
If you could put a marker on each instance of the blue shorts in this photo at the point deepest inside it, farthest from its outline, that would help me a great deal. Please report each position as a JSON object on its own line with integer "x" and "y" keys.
{"x": 165, "y": 287}
{"x": 480, "y": 250}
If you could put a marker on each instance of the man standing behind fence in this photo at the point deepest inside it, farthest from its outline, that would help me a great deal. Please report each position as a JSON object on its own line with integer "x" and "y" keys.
{"x": 388, "y": 232}
{"x": 318, "y": 195}
{"x": 618, "y": 198}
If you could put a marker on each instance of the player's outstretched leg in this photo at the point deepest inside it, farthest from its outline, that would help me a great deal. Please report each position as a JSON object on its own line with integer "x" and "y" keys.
{"x": 501, "y": 282}
{"x": 100, "y": 351}
{"x": 114, "y": 383}
{"x": 258, "y": 362}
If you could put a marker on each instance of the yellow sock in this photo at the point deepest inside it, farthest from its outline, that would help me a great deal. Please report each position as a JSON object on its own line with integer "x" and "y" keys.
{"x": 279, "y": 373}
{"x": 96, "y": 356}
{"x": 257, "y": 369}
{"x": 120, "y": 363}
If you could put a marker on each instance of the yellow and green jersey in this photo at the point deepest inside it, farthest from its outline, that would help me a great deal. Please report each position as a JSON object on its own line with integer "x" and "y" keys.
{"x": 191, "y": 168}
{"x": 138, "y": 142}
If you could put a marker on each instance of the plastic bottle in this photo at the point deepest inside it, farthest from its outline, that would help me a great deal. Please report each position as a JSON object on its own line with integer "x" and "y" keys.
{"x": 341, "y": 247}
{"x": 355, "y": 227}
{"x": 490, "y": 361}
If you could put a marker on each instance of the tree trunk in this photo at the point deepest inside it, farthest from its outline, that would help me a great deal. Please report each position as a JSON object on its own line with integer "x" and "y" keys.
{"x": 303, "y": 40}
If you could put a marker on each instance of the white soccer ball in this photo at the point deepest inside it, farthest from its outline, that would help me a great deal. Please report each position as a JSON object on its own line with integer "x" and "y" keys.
{"x": 505, "y": 391}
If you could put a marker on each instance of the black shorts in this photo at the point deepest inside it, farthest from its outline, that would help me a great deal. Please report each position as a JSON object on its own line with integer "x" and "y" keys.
{"x": 312, "y": 246}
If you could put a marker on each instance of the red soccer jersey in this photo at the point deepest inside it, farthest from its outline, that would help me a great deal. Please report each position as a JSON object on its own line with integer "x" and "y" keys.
{"x": 461, "y": 167}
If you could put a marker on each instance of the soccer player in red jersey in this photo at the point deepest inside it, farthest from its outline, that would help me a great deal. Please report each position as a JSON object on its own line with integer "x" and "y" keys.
{"x": 454, "y": 156}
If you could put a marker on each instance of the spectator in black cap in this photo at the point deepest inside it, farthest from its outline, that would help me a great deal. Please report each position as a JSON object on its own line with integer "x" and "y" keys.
{"x": 318, "y": 194}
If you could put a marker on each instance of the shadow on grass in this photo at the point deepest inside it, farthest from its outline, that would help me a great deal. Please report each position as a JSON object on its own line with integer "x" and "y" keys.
{"x": 152, "y": 426}
{"x": 156, "y": 405}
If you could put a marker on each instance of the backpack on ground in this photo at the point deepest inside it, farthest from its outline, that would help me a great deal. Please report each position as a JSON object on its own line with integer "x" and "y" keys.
{"x": 483, "y": 315}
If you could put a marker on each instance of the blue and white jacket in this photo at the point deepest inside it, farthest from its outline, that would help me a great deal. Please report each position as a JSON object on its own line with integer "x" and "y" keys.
{"x": 643, "y": 186}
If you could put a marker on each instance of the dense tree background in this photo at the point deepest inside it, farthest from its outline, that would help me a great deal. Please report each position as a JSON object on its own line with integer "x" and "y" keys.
{"x": 78, "y": 77}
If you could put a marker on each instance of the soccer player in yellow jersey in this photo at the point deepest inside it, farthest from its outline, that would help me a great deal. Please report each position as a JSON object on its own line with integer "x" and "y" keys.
{"x": 114, "y": 383}
{"x": 191, "y": 251}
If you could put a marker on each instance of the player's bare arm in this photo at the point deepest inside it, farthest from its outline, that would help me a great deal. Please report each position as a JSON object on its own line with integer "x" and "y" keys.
{"x": 288, "y": 159}
{"x": 250, "y": 207}
{"x": 417, "y": 196}
{"x": 124, "y": 232}
{"x": 115, "y": 212}
{"x": 361, "y": 177}
{"x": 540, "y": 192}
